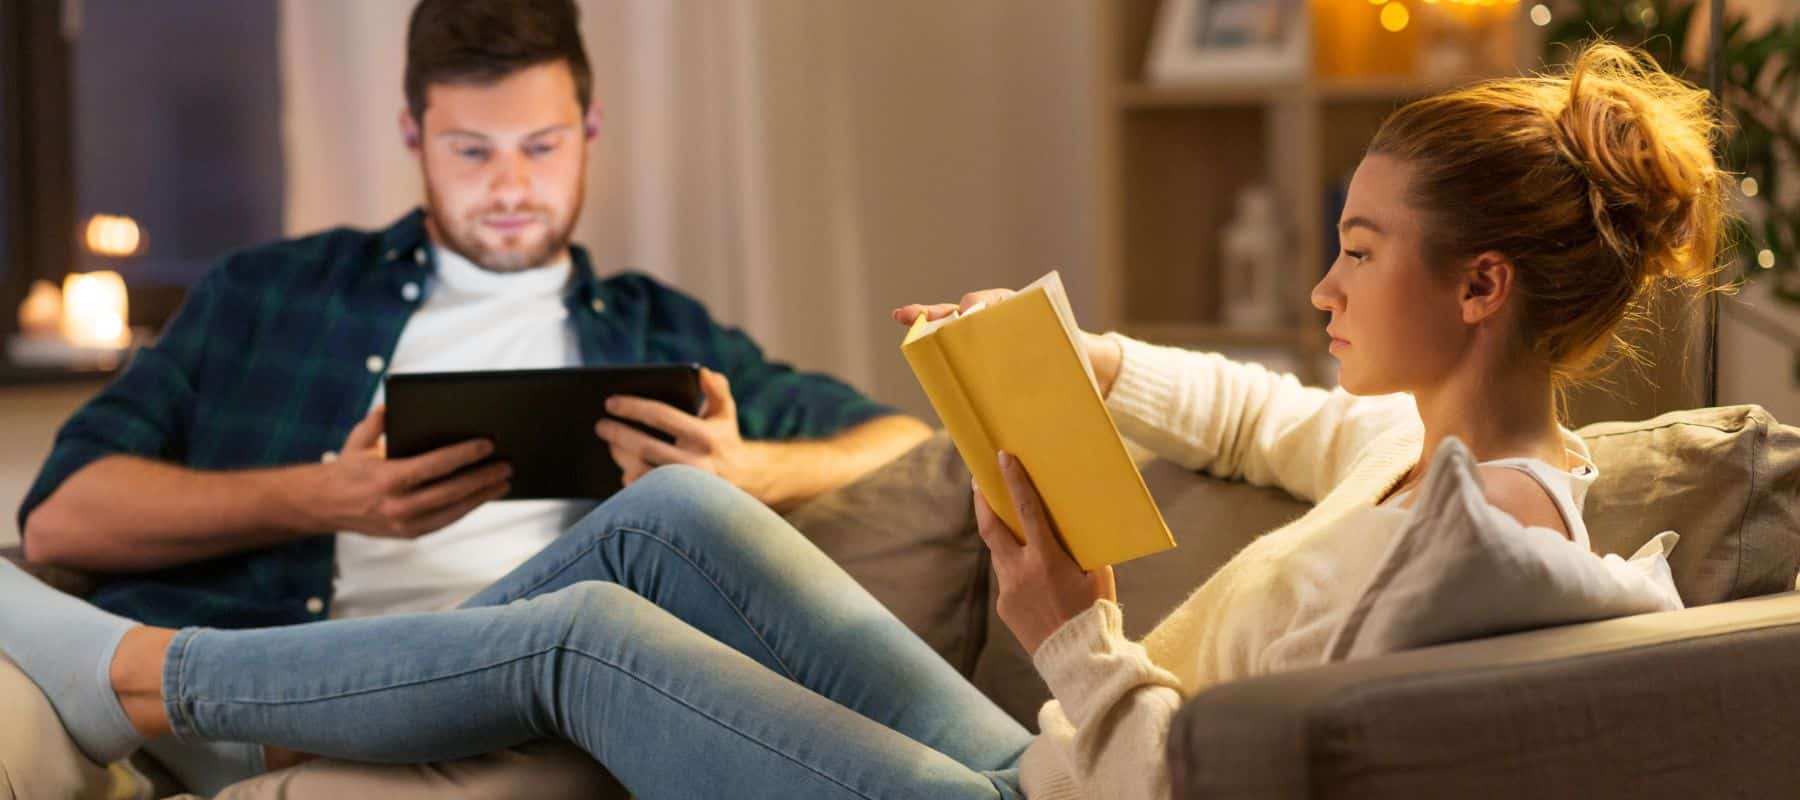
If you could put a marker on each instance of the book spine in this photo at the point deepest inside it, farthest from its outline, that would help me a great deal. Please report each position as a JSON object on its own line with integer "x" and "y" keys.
{"x": 953, "y": 406}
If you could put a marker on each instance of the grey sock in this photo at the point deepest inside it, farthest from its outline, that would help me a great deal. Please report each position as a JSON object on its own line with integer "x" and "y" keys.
{"x": 206, "y": 768}
{"x": 66, "y": 647}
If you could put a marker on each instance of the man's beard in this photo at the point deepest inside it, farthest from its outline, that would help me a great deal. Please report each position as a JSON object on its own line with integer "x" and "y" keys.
{"x": 462, "y": 237}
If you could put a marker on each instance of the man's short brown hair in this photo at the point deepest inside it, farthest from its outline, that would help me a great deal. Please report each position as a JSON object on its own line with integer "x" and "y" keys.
{"x": 481, "y": 41}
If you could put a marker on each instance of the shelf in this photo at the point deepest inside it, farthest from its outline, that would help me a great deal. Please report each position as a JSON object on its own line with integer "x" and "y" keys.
{"x": 1148, "y": 96}
{"x": 1145, "y": 96}
{"x": 1378, "y": 89}
{"x": 1202, "y": 333}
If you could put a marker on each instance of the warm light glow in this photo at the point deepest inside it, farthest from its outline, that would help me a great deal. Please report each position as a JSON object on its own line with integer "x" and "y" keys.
{"x": 1749, "y": 187}
{"x": 94, "y": 309}
{"x": 1766, "y": 259}
{"x": 1394, "y": 17}
{"x": 115, "y": 236}
{"x": 1540, "y": 14}
{"x": 41, "y": 313}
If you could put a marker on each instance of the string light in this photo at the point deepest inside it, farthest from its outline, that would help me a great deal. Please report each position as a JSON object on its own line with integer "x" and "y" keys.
{"x": 1766, "y": 259}
{"x": 1394, "y": 17}
{"x": 1749, "y": 187}
{"x": 1540, "y": 14}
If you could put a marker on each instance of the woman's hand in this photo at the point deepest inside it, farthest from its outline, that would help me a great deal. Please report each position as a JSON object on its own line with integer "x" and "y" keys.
{"x": 1041, "y": 587}
{"x": 1104, "y": 355}
{"x": 906, "y": 314}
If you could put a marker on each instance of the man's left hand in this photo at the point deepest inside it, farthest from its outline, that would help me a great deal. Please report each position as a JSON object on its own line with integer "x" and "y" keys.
{"x": 710, "y": 441}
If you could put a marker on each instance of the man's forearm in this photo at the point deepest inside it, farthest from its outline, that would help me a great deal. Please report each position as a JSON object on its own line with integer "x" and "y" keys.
{"x": 130, "y": 514}
{"x": 799, "y": 471}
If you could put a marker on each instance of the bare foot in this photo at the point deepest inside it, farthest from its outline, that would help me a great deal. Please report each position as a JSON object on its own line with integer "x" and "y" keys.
{"x": 137, "y": 672}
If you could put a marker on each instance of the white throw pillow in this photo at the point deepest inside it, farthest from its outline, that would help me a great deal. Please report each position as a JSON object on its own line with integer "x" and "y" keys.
{"x": 1461, "y": 569}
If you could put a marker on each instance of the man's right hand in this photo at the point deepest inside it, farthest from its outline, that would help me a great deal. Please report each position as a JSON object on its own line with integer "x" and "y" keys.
{"x": 365, "y": 492}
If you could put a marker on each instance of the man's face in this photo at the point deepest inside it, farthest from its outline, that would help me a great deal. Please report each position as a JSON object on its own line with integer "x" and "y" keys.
{"x": 503, "y": 164}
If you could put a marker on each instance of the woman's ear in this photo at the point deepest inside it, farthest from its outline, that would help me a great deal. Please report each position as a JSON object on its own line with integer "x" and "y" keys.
{"x": 1486, "y": 285}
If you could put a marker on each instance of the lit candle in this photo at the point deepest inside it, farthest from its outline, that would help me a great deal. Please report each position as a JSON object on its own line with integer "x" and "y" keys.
{"x": 41, "y": 313}
{"x": 94, "y": 310}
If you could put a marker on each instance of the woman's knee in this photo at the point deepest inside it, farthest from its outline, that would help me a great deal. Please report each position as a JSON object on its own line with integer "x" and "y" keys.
{"x": 679, "y": 481}
{"x": 565, "y": 611}
{"x": 683, "y": 497}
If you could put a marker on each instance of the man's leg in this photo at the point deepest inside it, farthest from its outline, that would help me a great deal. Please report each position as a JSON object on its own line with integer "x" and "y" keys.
{"x": 728, "y": 566}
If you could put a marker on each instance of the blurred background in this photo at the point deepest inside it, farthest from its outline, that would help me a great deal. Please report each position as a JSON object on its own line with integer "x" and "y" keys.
{"x": 803, "y": 166}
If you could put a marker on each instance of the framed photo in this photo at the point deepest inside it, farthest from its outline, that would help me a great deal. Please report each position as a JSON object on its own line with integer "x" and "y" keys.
{"x": 1229, "y": 41}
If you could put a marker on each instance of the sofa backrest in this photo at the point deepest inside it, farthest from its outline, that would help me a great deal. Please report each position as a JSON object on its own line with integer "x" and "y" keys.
{"x": 1726, "y": 478}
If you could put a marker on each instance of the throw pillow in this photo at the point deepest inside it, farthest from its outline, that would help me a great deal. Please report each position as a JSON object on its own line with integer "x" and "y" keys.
{"x": 1459, "y": 568}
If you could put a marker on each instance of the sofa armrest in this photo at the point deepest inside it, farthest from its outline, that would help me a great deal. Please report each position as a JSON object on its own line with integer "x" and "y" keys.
{"x": 1678, "y": 704}
{"x": 76, "y": 583}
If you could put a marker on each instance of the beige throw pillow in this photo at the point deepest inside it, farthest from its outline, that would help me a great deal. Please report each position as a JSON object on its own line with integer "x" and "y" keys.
{"x": 1459, "y": 568}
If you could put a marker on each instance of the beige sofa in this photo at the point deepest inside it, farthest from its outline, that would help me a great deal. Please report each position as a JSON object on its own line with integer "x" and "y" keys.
{"x": 1700, "y": 702}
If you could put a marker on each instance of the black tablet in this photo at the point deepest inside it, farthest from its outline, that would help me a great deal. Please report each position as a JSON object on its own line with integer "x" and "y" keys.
{"x": 540, "y": 420}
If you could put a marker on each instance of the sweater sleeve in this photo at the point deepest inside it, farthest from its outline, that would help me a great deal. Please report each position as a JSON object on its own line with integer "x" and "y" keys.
{"x": 1244, "y": 421}
{"x": 1111, "y": 713}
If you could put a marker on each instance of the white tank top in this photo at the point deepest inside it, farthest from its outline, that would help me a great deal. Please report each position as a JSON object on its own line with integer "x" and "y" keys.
{"x": 1567, "y": 489}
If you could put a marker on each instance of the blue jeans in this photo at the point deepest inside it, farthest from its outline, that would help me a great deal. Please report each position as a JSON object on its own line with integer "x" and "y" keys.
{"x": 683, "y": 634}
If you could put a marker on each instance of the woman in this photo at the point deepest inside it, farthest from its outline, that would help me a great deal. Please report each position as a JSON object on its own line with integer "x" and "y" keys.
{"x": 1493, "y": 240}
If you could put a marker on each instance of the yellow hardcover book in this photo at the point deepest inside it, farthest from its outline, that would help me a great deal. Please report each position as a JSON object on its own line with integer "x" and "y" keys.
{"x": 1014, "y": 376}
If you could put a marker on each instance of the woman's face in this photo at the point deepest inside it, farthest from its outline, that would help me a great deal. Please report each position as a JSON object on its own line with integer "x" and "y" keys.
{"x": 1395, "y": 323}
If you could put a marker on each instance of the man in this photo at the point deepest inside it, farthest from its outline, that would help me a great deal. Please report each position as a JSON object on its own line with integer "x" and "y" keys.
{"x": 225, "y": 479}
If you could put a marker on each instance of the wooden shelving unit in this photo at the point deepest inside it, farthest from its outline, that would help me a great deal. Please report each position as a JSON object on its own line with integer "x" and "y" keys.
{"x": 1174, "y": 159}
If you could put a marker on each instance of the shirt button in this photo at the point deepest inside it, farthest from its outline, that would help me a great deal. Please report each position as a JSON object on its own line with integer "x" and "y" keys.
{"x": 597, "y": 305}
{"x": 314, "y": 605}
{"x": 392, "y": 255}
{"x": 328, "y": 457}
{"x": 419, "y": 256}
{"x": 375, "y": 363}
{"x": 410, "y": 291}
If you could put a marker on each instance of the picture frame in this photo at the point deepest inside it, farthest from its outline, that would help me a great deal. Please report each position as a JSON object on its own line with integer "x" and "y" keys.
{"x": 1216, "y": 42}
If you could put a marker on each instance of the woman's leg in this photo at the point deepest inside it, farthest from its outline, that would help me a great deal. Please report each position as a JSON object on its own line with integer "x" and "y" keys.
{"x": 726, "y": 565}
{"x": 667, "y": 708}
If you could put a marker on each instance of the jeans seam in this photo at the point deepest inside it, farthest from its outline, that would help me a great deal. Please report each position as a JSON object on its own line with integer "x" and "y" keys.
{"x": 615, "y": 530}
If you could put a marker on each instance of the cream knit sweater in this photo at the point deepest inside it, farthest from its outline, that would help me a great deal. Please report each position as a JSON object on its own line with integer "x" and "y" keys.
{"x": 1270, "y": 607}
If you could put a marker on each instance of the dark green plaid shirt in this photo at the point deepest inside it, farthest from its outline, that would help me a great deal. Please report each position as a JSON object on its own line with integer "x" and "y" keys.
{"x": 277, "y": 353}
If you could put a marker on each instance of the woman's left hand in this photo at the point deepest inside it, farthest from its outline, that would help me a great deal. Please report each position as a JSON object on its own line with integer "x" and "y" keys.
{"x": 1041, "y": 587}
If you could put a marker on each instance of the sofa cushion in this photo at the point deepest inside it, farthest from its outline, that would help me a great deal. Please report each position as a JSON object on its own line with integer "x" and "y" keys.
{"x": 37, "y": 759}
{"x": 1455, "y": 567}
{"x": 545, "y": 769}
{"x": 1725, "y": 478}
{"x": 906, "y": 532}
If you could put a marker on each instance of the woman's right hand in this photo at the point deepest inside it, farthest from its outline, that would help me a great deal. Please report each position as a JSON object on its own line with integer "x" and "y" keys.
{"x": 907, "y": 313}
{"x": 1103, "y": 354}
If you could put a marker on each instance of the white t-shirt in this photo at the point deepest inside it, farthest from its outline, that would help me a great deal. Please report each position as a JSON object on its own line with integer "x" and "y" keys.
{"x": 469, "y": 319}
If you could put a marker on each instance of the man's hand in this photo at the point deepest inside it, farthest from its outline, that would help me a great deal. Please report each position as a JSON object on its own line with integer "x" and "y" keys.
{"x": 710, "y": 441}
{"x": 1041, "y": 587}
{"x": 364, "y": 492}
